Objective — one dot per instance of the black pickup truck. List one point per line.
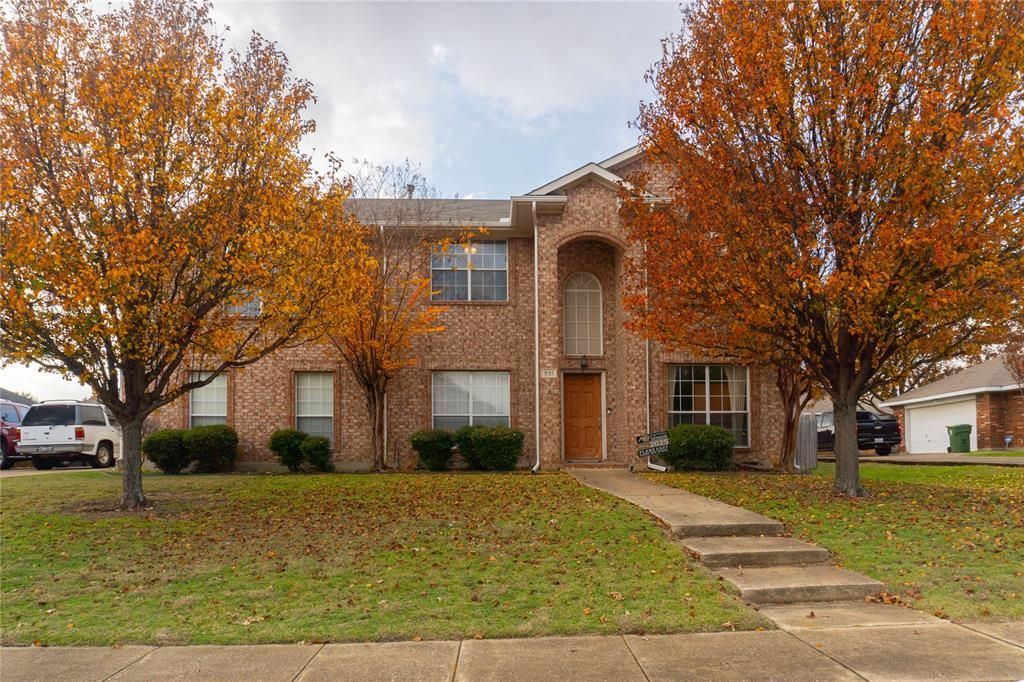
(878, 432)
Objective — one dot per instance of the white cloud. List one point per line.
(376, 67)
(41, 385)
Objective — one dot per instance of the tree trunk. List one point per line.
(846, 451)
(787, 457)
(375, 405)
(790, 392)
(131, 473)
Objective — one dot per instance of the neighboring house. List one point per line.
(533, 339)
(983, 395)
(825, 405)
(15, 397)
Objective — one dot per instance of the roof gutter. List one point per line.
(536, 338)
(897, 402)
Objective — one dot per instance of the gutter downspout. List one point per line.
(647, 384)
(536, 339)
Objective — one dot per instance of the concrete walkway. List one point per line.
(941, 459)
(796, 587)
(816, 649)
(743, 547)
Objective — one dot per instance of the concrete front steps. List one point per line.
(792, 584)
(744, 548)
(729, 552)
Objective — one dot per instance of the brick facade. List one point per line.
(999, 415)
(996, 416)
(585, 235)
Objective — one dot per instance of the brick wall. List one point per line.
(586, 236)
(898, 411)
(999, 415)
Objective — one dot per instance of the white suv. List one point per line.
(58, 431)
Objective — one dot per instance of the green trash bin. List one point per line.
(959, 438)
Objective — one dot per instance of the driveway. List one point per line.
(940, 458)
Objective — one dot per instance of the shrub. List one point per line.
(434, 446)
(464, 441)
(286, 444)
(317, 451)
(699, 447)
(214, 448)
(498, 448)
(165, 449)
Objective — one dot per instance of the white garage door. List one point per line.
(926, 425)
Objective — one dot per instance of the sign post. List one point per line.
(651, 444)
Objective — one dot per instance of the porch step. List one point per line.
(791, 584)
(721, 552)
(693, 528)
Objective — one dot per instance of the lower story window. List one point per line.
(470, 399)
(208, 404)
(711, 394)
(314, 404)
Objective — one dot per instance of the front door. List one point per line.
(582, 415)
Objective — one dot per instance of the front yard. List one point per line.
(946, 539)
(287, 558)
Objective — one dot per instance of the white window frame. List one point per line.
(454, 250)
(565, 318)
(328, 415)
(707, 411)
(471, 374)
(251, 306)
(199, 375)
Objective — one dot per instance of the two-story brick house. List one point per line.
(534, 338)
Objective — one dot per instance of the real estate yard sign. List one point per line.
(651, 444)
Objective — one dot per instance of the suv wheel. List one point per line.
(5, 461)
(103, 458)
(42, 464)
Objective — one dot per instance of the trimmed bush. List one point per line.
(214, 448)
(699, 447)
(498, 448)
(464, 441)
(165, 448)
(286, 444)
(317, 451)
(434, 446)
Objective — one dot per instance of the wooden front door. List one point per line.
(582, 415)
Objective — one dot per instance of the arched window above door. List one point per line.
(582, 315)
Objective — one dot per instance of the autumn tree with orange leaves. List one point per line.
(847, 188)
(150, 185)
(398, 209)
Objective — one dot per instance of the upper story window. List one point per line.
(711, 394)
(477, 271)
(249, 306)
(582, 314)
(208, 404)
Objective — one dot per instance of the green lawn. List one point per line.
(998, 453)
(947, 540)
(287, 558)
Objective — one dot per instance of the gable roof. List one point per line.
(590, 170)
(622, 158)
(986, 377)
(512, 213)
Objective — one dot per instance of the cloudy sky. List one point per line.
(489, 99)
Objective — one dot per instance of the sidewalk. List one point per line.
(824, 639)
(806, 651)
